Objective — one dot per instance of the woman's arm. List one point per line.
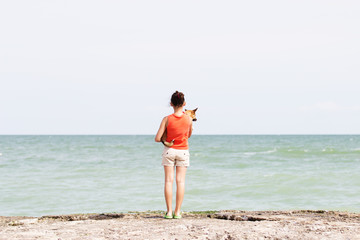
(191, 127)
(161, 130)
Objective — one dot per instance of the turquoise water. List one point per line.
(41, 175)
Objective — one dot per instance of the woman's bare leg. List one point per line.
(169, 179)
(180, 188)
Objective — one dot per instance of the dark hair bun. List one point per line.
(177, 99)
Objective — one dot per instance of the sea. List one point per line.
(59, 174)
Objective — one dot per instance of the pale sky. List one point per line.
(110, 67)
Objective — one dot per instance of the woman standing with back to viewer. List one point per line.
(179, 128)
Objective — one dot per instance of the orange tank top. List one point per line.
(178, 129)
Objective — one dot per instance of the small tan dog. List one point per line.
(192, 114)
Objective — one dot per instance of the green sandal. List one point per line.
(177, 216)
(167, 216)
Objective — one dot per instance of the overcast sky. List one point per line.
(110, 67)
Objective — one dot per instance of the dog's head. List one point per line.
(191, 113)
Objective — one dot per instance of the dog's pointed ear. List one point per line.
(195, 109)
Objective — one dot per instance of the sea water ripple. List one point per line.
(42, 175)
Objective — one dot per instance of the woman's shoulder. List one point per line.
(165, 119)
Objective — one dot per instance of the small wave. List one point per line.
(355, 149)
(0, 154)
(270, 151)
(268, 175)
(328, 150)
(249, 153)
(296, 150)
(264, 152)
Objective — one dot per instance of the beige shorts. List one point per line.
(175, 157)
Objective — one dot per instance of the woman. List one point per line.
(178, 127)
